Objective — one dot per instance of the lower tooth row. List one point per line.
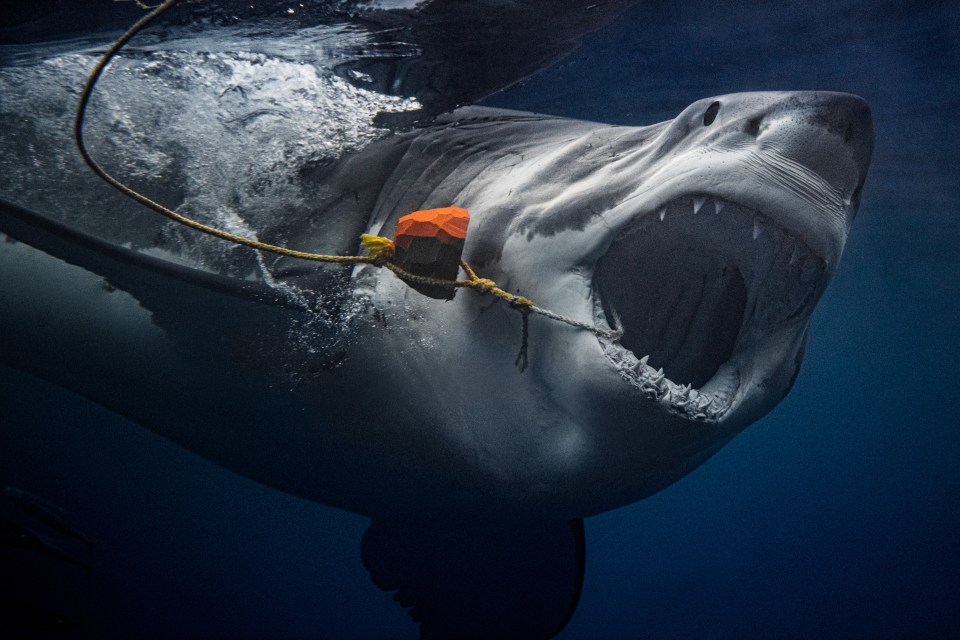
(692, 403)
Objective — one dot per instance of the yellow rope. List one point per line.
(380, 249)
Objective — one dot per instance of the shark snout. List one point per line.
(829, 133)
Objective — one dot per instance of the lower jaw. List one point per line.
(706, 404)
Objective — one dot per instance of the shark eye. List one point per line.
(710, 114)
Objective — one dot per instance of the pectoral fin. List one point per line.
(480, 577)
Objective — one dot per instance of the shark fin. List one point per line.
(479, 577)
(192, 355)
(126, 269)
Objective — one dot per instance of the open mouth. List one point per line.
(696, 287)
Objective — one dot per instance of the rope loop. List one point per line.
(380, 250)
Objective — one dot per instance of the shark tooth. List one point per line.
(644, 359)
(663, 214)
(717, 205)
(756, 228)
(697, 204)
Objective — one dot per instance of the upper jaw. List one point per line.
(711, 295)
(785, 192)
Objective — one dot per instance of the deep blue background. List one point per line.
(837, 516)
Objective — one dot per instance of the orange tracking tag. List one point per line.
(429, 243)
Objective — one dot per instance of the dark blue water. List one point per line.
(834, 517)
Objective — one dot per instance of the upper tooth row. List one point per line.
(718, 205)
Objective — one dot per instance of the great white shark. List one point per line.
(708, 239)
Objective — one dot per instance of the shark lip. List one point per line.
(697, 288)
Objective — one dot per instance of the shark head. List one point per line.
(706, 241)
(715, 263)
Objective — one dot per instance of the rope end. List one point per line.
(380, 249)
(522, 360)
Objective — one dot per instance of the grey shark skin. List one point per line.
(710, 237)
(755, 210)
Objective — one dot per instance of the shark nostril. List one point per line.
(753, 126)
